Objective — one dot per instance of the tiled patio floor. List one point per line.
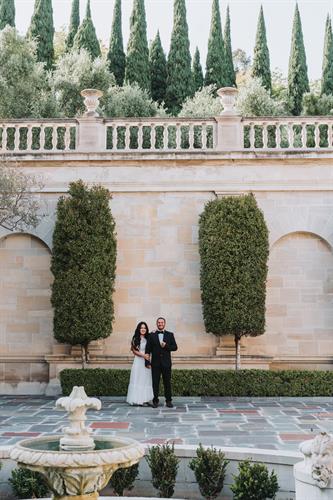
(263, 423)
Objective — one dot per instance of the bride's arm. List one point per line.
(136, 352)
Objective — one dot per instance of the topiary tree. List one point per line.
(73, 25)
(137, 58)
(116, 55)
(327, 76)
(197, 74)
(164, 465)
(253, 482)
(233, 247)
(7, 13)
(298, 81)
(179, 81)
(230, 76)
(86, 37)
(215, 62)
(158, 70)
(83, 264)
(123, 479)
(42, 30)
(261, 65)
(209, 467)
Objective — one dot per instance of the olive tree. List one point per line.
(233, 246)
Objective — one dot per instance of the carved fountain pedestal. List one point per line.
(314, 475)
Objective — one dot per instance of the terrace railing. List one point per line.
(228, 132)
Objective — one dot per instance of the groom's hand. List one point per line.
(163, 344)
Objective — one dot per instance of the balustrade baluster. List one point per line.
(54, 137)
(317, 135)
(165, 136)
(204, 136)
(290, 135)
(265, 135)
(178, 136)
(114, 137)
(252, 136)
(277, 135)
(127, 136)
(329, 134)
(67, 138)
(303, 135)
(153, 136)
(4, 138)
(191, 136)
(140, 136)
(42, 138)
(16, 138)
(29, 137)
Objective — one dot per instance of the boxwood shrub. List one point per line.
(200, 382)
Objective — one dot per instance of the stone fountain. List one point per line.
(77, 466)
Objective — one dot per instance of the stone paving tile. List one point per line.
(267, 423)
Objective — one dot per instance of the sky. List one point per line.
(244, 15)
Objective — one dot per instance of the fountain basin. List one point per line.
(80, 474)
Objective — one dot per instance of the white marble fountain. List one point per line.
(77, 466)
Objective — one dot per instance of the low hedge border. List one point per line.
(243, 383)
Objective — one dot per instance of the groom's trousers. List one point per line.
(157, 371)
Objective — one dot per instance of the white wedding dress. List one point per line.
(140, 389)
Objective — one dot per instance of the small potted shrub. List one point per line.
(209, 469)
(163, 464)
(123, 479)
(253, 482)
(28, 484)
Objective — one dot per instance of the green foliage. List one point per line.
(28, 484)
(23, 81)
(129, 101)
(42, 30)
(197, 74)
(179, 81)
(261, 65)
(74, 72)
(204, 104)
(137, 59)
(209, 468)
(7, 13)
(86, 37)
(255, 100)
(253, 482)
(316, 105)
(123, 479)
(163, 464)
(233, 247)
(298, 82)
(158, 70)
(230, 76)
(73, 25)
(215, 62)
(116, 55)
(327, 76)
(229, 383)
(83, 264)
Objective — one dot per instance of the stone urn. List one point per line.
(91, 101)
(228, 99)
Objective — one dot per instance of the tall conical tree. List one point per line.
(137, 59)
(73, 25)
(116, 55)
(86, 37)
(215, 62)
(7, 13)
(158, 69)
(42, 29)
(230, 76)
(298, 81)
(179, 82)
(327, 76)
(261, 66)
(197, 73)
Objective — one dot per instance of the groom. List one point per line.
(159, 345)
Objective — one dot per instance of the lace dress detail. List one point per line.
(140, 389)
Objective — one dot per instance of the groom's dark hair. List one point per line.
(161, 317)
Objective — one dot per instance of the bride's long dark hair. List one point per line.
(137, 336)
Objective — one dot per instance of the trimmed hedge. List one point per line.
(251, 383)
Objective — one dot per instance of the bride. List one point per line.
(140, 390)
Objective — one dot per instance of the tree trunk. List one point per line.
(85, 355)
(238, 357)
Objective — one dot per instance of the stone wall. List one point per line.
(156, 204)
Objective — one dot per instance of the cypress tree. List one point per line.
(137, 59)
(86, 37)
(215, 62)
(83, 264)
(179, 81)
(42, 29)
(261, 66)
(116, 55)
(298, 82)
(230, 76)
(233, 248)
(197, 73)
(7, 13)
(73, 25)
(327, 76)
(158, 70)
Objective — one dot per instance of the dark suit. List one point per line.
(161, 362)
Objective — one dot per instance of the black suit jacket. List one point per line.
(160, 356)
